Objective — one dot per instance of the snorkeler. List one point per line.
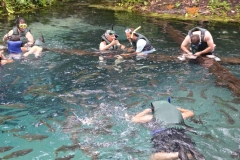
(170, 142)
(109, 41)
(141, 45)
(19, 39)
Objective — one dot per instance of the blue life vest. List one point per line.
(14, 47)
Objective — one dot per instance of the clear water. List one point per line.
(75, 99)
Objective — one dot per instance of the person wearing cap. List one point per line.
(141, 45)
(109, 41)
(19, 38)
(199, 42)
(170, 142)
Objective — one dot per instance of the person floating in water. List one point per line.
(37, 48)
(19, 39)
(201, 44)
(141, 45)
(170, 142)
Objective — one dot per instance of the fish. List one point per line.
(229, 118)
(236, 100)
(5, 118)
(15, 81)
(190, 94)
(203, 94)
(14, 106)
(51, 129)
(184, 99)
(86, 77)
(236, 154)
(12, 130)
(69, 157)
(65, 148)
(227, 105)
(18, 153)
(31, 137)
(5, 149)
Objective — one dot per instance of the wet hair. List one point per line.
(195, 39)
(20, 20)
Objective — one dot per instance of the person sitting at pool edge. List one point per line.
(19, 39)
(109, 41)
(200, 41)
(169, 141)
(141, 45)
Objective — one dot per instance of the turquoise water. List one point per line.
(73, 99)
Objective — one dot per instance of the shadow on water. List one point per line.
(64, 104)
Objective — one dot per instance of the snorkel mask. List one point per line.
(111, 32)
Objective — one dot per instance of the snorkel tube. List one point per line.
(135, 31)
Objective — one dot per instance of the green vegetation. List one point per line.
(131, 3)
(178, 4)
(16, 6)
(219, 7)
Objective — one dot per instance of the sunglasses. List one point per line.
(23, 25)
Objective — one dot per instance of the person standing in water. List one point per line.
(141, 45)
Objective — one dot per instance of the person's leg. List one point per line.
(38, 52)
(31, 51)
(167, 156)
(164, 156)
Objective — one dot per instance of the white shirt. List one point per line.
(140, 45)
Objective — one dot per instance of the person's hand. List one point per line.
(114, 42)
(197, 54)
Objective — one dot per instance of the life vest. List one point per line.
(147, 47)
(202, 45)
(104, 38)
(166, 113)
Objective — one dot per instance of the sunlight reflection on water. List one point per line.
(76, 100)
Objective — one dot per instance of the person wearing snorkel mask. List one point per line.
(200, 41)
(169, 140)
(19, 39)
(141, 45)
(110, 42)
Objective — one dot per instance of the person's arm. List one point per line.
(142, 117)
(30, 39)
(186, 113)
(103, 46)
(185, 43)
(5, 37)
(207, 38)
